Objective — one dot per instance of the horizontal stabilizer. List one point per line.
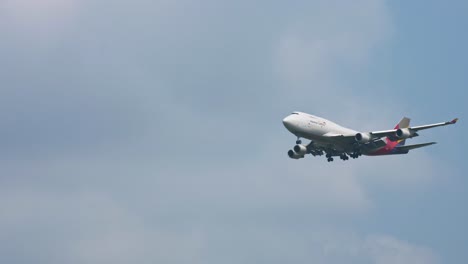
(410, 147)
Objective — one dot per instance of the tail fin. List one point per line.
(404, 123)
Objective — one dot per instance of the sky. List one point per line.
(150, 131)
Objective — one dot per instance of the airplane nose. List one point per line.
(287, 122)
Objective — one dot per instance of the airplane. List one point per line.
(334, 140)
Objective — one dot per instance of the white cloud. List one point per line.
(374, 248)
(333, 36)
(102, 228)
(386, 250)
(36, 21)
(200, 172)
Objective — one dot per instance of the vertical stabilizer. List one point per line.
(404, 123)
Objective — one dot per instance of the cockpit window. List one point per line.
(294, 113)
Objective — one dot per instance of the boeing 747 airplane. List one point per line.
(334, 140)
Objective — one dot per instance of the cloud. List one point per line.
(385, 249)
(374, 248)
(101, 228)
(317, 43)
(38, 22)
(151, 131)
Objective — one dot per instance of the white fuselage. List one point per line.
(315, 128)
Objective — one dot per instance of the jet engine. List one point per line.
(363, 137)
(403, 133)
(300, 149)
(294, 155)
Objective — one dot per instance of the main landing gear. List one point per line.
(355, 155)
(344, 156)
(298, 141)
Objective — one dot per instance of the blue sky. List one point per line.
(150, 131)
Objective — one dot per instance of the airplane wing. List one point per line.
(375, 137)
(343, 138)
(407, 132)
(417, 128)
(349, 139)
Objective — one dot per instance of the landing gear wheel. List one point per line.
(330, 159)
(298, 142)
(344, 156)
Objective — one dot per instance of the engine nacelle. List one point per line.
(300, 149)
(294, 155)
(363, 137)
(403, 133)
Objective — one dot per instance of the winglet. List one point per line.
(454, 121)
